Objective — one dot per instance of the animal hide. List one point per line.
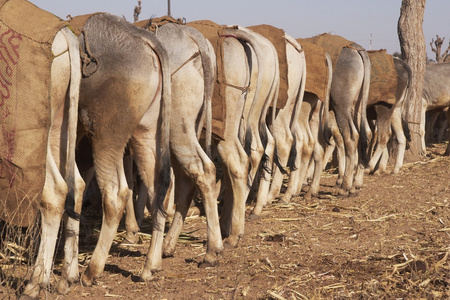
(333, 44)
(214, 33)
(383, 77)
(26, 36)
(316, 69)
(278, 38)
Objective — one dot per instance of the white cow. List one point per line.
(285, 138)
(192, 67)
(348, 98)
(125, 98)
(238, 49)
(62, 178)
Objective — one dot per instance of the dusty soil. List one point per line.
(391, 241)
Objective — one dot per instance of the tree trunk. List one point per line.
(412, 43)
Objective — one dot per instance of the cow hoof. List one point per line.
(253, 217)
(168, 254)
(284, 200)
(353, 192)
(309, 196)
(208, 264)
(63, 287)
(149, 275)
(128, 242)
(86, 281)
(146, 278)
(342, 193)
(230, 243)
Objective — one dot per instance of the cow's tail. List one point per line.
(207, 56)
(298, 105)
(407, 96)
(363, 138)
(326, 105)
(250, 39)
(163, 178)
(74, 94)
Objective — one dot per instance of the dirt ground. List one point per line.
(392, 241)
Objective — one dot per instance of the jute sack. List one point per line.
(215, 34)
(316, 69)
(383, 77)
(26, 36)
(278, 38)
(333, 44)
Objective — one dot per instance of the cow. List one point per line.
(317, 113)
(125, 99)
(435, 95)
(388, 108)
(239, 60)
(348, 100)
(192, 67)
(44, 47)
(66, 76)
(251, 126)
(285, 138)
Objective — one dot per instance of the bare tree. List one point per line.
(137, 11)
(412, 43)
(438, 47)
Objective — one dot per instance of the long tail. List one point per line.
(163, 179)
(326, 105)
(247, 37)
(407, 96)
(298, 104)
(363, 138)
(74, 94)
(209, 66)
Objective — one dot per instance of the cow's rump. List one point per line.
(316, 69)
(383, 77)
(333, 44)
(215, 34)
(278, 38)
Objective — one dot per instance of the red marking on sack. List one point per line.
(9, 57)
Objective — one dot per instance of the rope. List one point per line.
(55, 56)
(186, 62)
(87, 58)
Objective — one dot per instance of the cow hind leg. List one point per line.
(113, 184)
(235, 168)
(184, 192)
(350, 137)
(264, 179)
(70, 272)
(195, 171)
(383, 134)
(52, 207)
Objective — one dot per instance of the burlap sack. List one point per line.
(26, 36)
(77, 23)
(333, 44)
(383, 78)
(214, 33)
(278, 38)
(316, 69)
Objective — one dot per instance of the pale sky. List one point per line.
(356, 20)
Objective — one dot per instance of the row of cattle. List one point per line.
(183, 93)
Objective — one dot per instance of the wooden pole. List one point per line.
(168, 8)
